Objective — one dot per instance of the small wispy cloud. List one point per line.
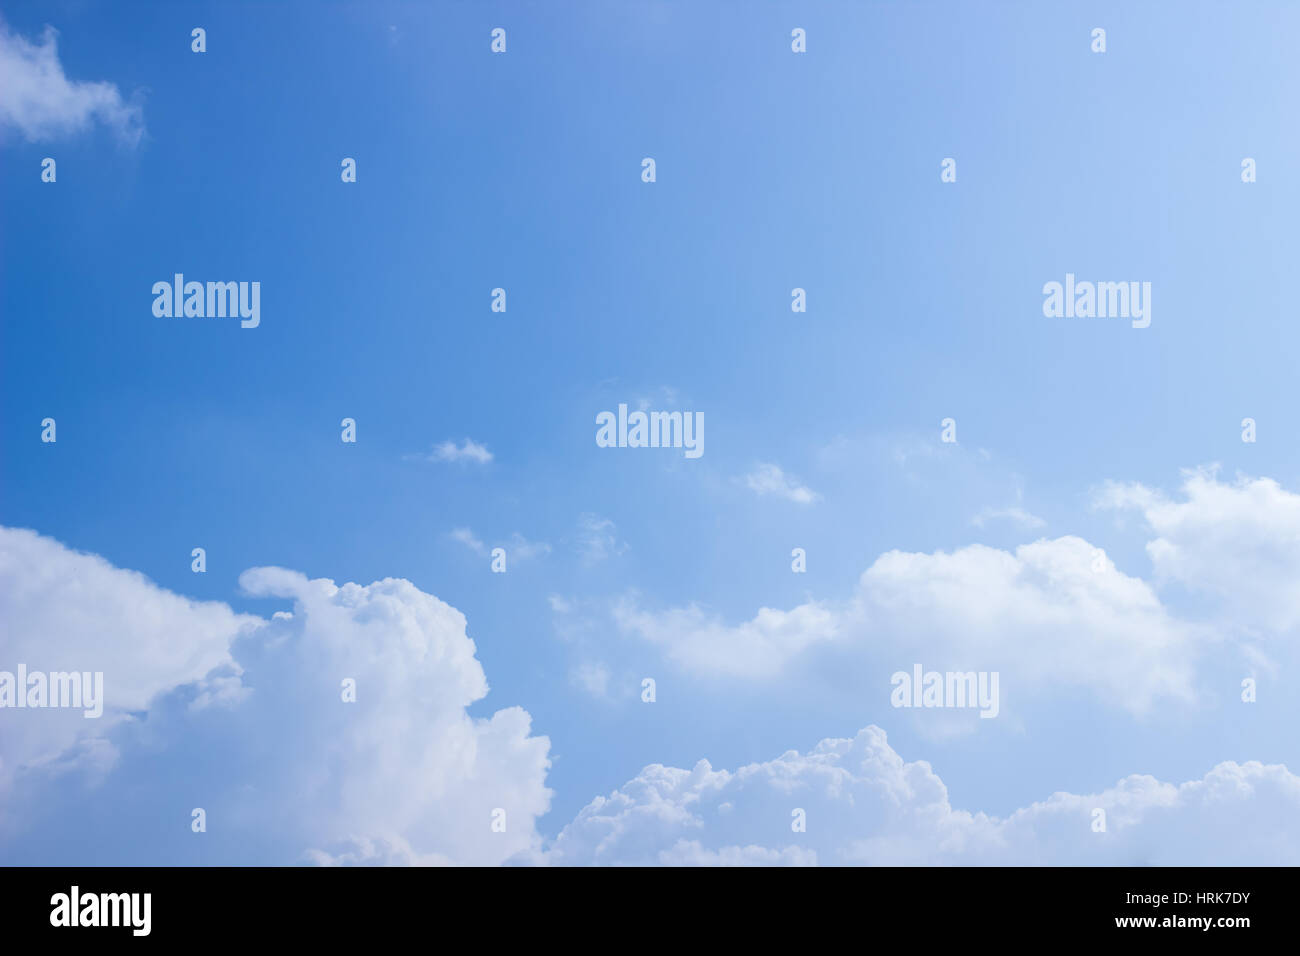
(768, 479)
(1017, 515)
(38, 99)
(467, 537)
(468, 450)
(518, 548)
(597, 540)
(664, 396)
(591, 676)
(1119, 496)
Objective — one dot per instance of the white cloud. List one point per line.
(1047, 614)
(469, 539)
(39, 100)
(593, 677)
(68, 611)
(865, 805)
(375, 851)
(768, 479)
(1014, 514)
(468, 450)
(1050, 613)
(518, 548)
(702, 642)
(597, 540)
(1239, 542)
(691, 853)
(406, 765)
(404, 773)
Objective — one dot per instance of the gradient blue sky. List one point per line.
(774, 171)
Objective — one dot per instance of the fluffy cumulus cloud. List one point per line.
(403, 774)
(1050, 613)
(862, 803)
(407, 774)
(405, 767)
(65, 611)
(1238, 542)
(39, 101)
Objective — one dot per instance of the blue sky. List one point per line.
(775, 170)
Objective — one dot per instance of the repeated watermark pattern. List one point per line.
(838, 529)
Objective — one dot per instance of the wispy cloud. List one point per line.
(597, 540)
(518, 547)
(38, 99)
(768, 479)
(468, 450)
(1013, 514)
(467, 537)
(591, 676)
